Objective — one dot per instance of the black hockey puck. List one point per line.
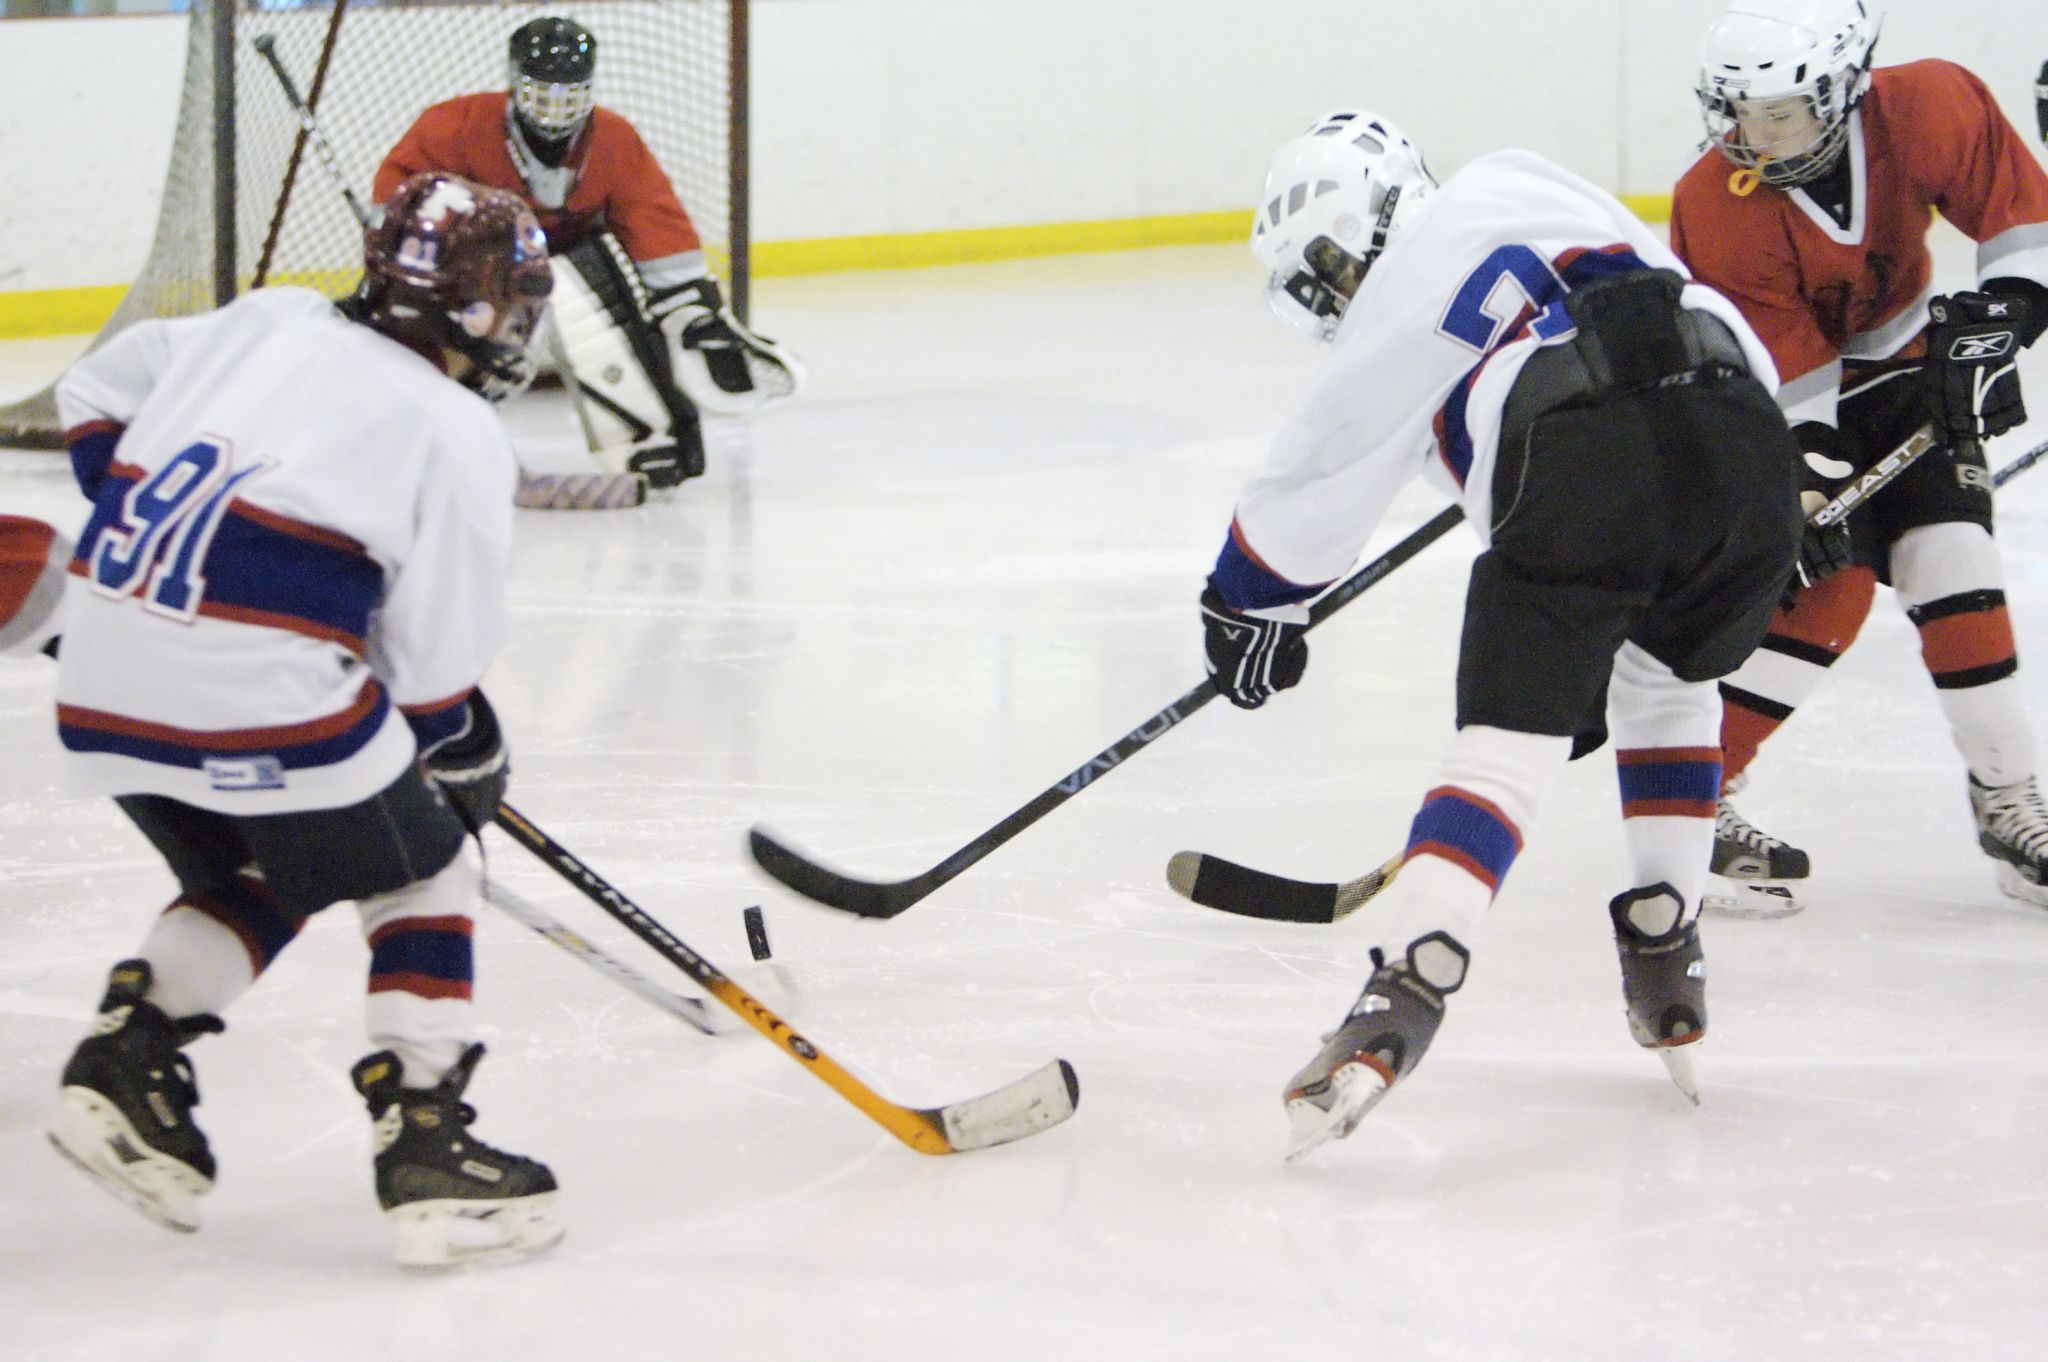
(757, 933)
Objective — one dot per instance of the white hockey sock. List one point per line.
(197, 963)
(421, 972)
(1667, 753)
(1467, 834)
(1951, 581)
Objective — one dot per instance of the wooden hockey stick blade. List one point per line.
(885, 898)
(1216, 883)
(1037, 1102)
(580, 491)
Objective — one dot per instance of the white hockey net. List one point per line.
(666, 65)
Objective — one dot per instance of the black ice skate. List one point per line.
(456, 1201)
(125, 1113)
(1663, 978)
(1380, 1041)
(2012, 828)
(1760, 869)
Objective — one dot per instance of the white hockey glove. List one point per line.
(719, 364)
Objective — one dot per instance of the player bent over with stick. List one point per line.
(1519, 338)
(292, 580)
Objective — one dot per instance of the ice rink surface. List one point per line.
(966, 560)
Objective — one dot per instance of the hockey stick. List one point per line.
(1231, 888)
(1036, 1102)
(555, 492)
(2020, 465)
(291, 168)
(870, 898)
(692, 1011)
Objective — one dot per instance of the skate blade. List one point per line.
(1679, 1063)
(451, 1236)
(92, 1133)
(1754, 899)
(1355, 1089)
(2019, 888)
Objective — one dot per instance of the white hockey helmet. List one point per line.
(1334, 198)
(1778, 79)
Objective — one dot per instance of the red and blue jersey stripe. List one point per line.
(316, 742)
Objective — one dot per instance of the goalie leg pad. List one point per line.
(639, 421)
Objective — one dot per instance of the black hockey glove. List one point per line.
(1253, 656)
(472, 768)
(1970, 387)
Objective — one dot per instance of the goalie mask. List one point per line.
(553, 62)
(456, 265)
(1335, 196)
(1778, 81)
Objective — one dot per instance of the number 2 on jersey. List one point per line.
(1475, 319)
(166, 524)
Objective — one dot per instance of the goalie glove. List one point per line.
(719, 364)
(1970, 387)
(1255, 654)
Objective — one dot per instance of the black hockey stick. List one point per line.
(1035, 1102)
(1232, 888)
(871, 898)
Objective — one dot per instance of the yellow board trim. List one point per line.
(66, 312)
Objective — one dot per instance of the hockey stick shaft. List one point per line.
(291, 168)
(266, 44)
(2020, 465)
(871, 899)
(935, 1131)
(1216, 883)
(690, 1010)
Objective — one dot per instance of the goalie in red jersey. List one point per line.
(1810, 210)
(645, 329)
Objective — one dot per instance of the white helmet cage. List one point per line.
(1773, 61)
(1335, 196)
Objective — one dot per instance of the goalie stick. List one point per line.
(537, 491)
(1231, 888)
(1036, 1102)
(871, 898)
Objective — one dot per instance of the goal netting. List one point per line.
(243, 191)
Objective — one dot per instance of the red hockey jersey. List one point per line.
(620, 186)
(33, 557)
(1927, 137)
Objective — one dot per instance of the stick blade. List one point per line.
(819, 884)
(1216, 883)
(1034, 1103)
(580, 491)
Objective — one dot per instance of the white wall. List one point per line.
(883, 116)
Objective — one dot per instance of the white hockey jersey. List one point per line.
(1424, 359)
(300, 540)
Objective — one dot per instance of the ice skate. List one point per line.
(1663, 978)
(456, 1201)
(1379, 1042)
(124, 1116)
(1761, 871)
(2012, 828)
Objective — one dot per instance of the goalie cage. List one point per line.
(243, 194)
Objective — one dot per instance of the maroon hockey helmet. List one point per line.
(456, 264)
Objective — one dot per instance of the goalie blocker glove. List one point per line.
(719, 364)
(1254, 655)
(1971, 385)
(472, 768)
